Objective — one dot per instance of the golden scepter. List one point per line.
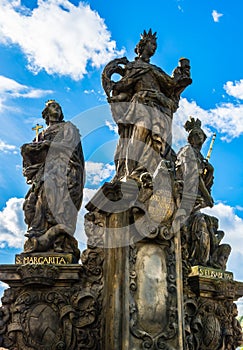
(210, 151)
(211, 147)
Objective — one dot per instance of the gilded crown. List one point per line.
(48, 102)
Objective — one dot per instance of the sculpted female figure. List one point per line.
(143, 102)
(54, 167)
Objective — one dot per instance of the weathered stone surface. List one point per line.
(53, 165)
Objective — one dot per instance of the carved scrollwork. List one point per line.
(92, 260)
(211, 324)
(48, 320)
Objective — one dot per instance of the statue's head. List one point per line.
(196, 135)
(52, 112)
(147, 42)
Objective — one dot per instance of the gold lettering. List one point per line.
(45, 260)
(18, 260)
(228, 276)
(40, 260)
(62, 261)
(26, 260)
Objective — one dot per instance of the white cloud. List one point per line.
(234, 89)
(112, 126)
(98, 172)
(14, 89)
(12, 226)
(6, 148)
(3, 285)
(100, 95)
(231, 223)
(216, 15)
(79, 234)
(58, 36)
(10, 88)
(88, 92)
(227, 118)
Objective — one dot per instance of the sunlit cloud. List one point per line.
(234, 89)
(58, 36)
(96, 173)
(10, 88)
(100, 95)
(232, 225)
(216, 15)
(227, 118)
(112, 126)
(80, 233)
(89, 92)
(6, 148)
(12, 226)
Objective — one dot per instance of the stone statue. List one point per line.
(53, 165)
(195, 176)
(195, 172)
(202, 246)
(200, 241)
(219, 253)
(143, 102)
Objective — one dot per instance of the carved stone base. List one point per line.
(48, 307)
(210, 312)
(214, 283)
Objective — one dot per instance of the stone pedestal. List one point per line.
(134, 289)
(48, 306)
(141, 284)
(210, 311)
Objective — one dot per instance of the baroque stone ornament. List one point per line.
(154, 273)
(51, 307)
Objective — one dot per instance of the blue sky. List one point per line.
(58, 48)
